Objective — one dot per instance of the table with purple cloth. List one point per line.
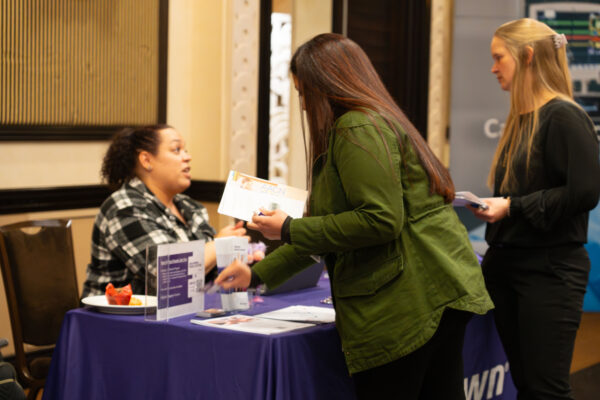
(104, 356)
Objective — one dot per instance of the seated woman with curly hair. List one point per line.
(150, 168)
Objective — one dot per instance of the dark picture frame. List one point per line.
(39, 132)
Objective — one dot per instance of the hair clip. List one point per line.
(560, 40)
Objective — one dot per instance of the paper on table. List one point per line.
(246, 323)
(319, 315)
(461, 199)
(245, 194)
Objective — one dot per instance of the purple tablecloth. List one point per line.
(104, 356)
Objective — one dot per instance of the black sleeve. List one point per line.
(254, 279)
(285, 230)
(211, 275)
(571, 151)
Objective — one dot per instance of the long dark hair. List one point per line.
(120, 160)
(334, 74)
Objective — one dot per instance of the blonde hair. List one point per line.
(549, 73)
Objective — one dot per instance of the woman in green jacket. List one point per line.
(404, 278)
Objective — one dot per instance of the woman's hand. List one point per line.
(269, 224)
(497, 209)
(236, 276)
(210, 252)
(232, 230)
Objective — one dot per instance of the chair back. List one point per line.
(38, 269)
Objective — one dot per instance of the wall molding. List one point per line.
(243, 77)
(16, 201)
(28, 133)
(279, 104)
(439, 79)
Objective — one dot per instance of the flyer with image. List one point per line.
(245, 195)
(246, 323)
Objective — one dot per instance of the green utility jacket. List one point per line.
(396, 255)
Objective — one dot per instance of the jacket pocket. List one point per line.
(354, 278)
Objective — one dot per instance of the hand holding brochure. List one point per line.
(461, 199)
(244, 195)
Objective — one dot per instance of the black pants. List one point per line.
(432, 372)
(538, 294)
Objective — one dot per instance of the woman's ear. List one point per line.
(144, 158)
(529, 51)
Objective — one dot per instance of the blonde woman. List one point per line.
(546, 177)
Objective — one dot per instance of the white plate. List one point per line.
(101, 304)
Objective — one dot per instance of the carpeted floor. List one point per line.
(587, 343)
(586, 383)
(585, 369)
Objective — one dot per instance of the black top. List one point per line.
(551, 202)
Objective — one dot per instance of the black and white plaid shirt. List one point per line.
(130, 220)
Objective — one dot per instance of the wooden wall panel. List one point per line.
(79, 63)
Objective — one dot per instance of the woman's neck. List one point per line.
(168, 202)
(544, 98)
(165, 198)
(539, 100)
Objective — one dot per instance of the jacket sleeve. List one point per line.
(571, 151)
(368, 164)
(281, 265)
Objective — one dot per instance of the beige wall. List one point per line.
(49, 164)
(282, 6)
(195, 81)
(309, 18)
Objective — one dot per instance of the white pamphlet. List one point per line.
(245, 195)
(229, 249)
(247, 323)
(234, 301)
(461, 199)
(312, 314)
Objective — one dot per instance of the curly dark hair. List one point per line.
(120, 160)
